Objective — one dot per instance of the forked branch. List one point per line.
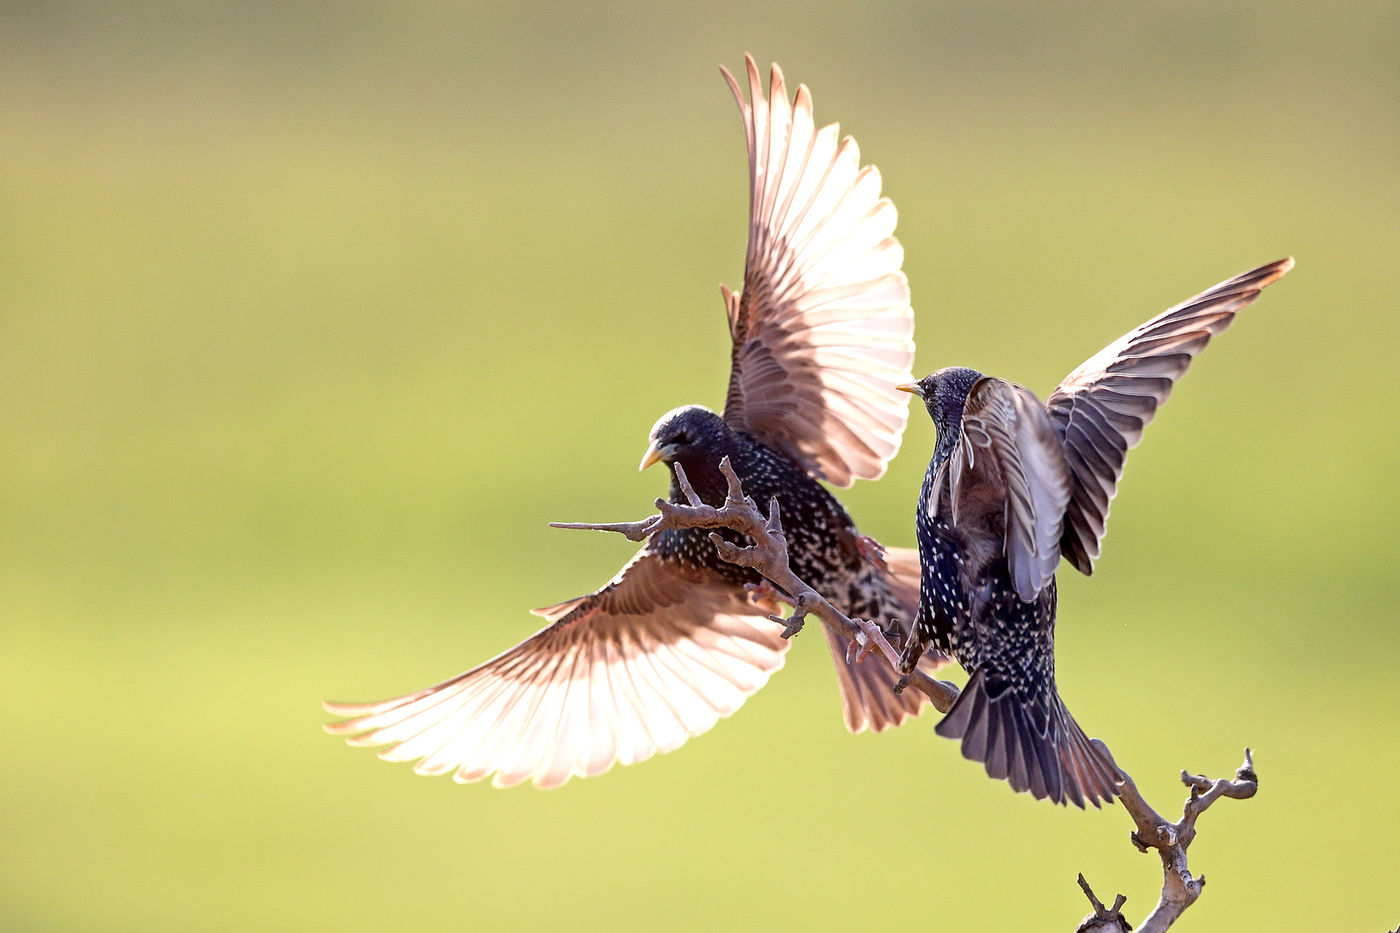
(1171, 840)
(768, 555)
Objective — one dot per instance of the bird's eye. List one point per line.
(682, 438)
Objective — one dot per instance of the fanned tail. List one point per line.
(868, 700)
(1033, 743)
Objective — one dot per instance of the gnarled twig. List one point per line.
(768, 555)
(1103, 918)
(1179, 888)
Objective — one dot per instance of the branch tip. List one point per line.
(687, 490)
(1245, 772)
(633, 531)
(1103, 918)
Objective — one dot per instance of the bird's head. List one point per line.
(692, 436)
(944, 393)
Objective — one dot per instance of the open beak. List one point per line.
(913, 388)
(652, 455)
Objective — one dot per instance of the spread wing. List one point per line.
(822, 327)
(656, 656)
(1008, 452)
(1101, 408)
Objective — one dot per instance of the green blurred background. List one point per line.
(313, 315)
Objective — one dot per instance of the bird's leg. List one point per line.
(914, 647)
(873, 551)
(765, 592)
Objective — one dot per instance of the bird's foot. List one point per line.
(868, 639)
(765, 592)
(872, 551)
(909, 656)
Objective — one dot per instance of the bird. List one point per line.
(1013, 487)
(822, 333)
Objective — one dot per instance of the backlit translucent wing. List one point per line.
(822, 327)
(1101, 408)
(655, 657)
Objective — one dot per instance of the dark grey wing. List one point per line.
(1008, 458)
(655, 657)
(1101, 408)
(822, 328)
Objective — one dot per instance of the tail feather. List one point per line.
(868, 699)
(1037, 748)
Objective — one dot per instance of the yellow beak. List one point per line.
(652, 455)
(912, 388)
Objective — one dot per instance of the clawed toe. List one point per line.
(857, 648)
(872, 551)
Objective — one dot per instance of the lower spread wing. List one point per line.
(1101, 408)
(655, 657)
(1008, 456)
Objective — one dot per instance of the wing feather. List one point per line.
(822, 328)
(1009, 456)
(1100, 410)
(658, 655)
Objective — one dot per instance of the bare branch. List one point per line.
(768, 555)
(1179, 889)
(634, 531)
(687, 490)
(1103, 918)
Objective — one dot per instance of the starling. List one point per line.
(822, 334)
(1013, 486)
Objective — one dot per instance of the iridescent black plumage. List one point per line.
(822, 539)
(1009, 715)
(1012, 486)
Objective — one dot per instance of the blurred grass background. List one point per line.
(312, 315)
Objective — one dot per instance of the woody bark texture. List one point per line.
(1179, 888)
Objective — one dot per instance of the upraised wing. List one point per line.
(1101, 408)
(654, 657)
(1009, 457)
(822, 328)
